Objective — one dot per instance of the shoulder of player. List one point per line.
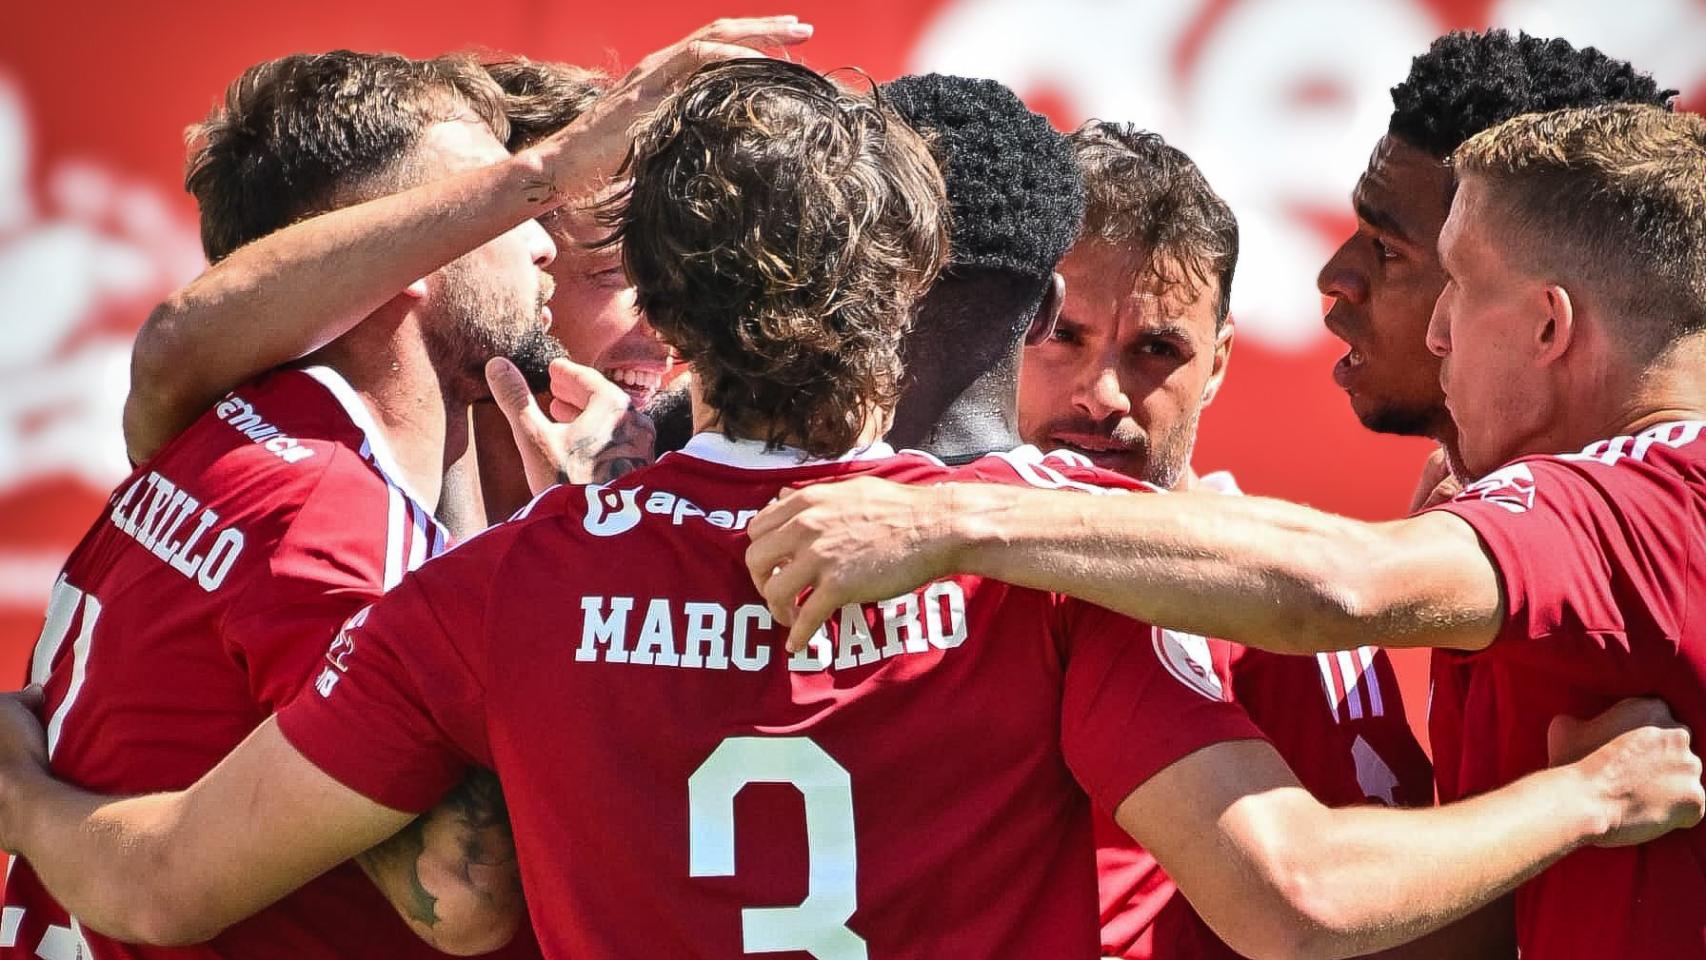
(1667, 455)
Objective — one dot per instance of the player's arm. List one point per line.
(1266, 573)
(1276, 874)
(293, 291)
(177, 868)
(452, 873)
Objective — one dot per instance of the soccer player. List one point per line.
(676, 784)
(188, 614)
(1570, 332)
(1141, 347)
(178, 623)
(1385, 278)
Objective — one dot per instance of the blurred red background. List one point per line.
(1278, 100)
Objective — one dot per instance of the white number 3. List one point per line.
(819, 924)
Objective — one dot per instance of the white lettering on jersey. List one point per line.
(713, 637)
(153, 511)
(1373, 775)
(610, 512)
(243, 418)
(1186, 657)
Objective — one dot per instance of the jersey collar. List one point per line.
(750, 454)
(373, 444)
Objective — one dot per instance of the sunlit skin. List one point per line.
(594, 312)
(1128, 368)
(1383, 281)
(1498, 337)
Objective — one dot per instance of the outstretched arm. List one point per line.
(1266, 573)
(1278, 875)
(177, 868)
(293, 291)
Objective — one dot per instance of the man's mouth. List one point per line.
(641, 383)
(1347, 367)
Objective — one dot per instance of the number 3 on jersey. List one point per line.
(819, 924)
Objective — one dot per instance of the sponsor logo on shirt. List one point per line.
(611, 512)
(1511, 488)
(1186, 657)
(241, 415)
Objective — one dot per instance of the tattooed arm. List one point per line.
(451, 874)
(593, 434)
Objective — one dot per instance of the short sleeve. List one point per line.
(396, 710)
(1582, 549)
(1137, 699)
(328, 564)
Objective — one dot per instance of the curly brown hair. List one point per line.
(542, 97)
(778, 231)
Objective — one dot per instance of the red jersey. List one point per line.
(916, 783)
(1599, 554)
(1338, 721)
(197, 605)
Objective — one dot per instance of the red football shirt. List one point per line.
(197, 605)
(1599, 554)
(917, 783)
(1337, 719)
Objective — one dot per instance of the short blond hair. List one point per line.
(1611, 198)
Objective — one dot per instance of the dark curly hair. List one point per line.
(1013, 184)
(542, 97)
(1467, 82)
(778, 231)
(1148, 196)
(294, 135)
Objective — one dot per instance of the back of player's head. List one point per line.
(542, 97)
(1467, 82)
(1015, 195)
(1612, 198)
(309, 132)
(1147, 196)
(778, 230)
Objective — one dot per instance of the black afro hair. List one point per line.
(1013, 183)
(1469, 82)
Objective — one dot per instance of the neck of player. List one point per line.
(959, 418)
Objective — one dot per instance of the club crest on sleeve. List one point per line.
(1511, 487)
(1186, 657)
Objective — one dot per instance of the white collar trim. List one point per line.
(373, 440)
(713, 447)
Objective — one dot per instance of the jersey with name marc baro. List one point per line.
(1600, 557)
(201, 601)
(916, 784)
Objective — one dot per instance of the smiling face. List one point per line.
(1128, 369)
(1383, 282)
(595, 316)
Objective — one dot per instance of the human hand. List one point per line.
(23, 749)
(600, 137)
(593, 434)
(1638, 758)
(853, 541)
(1437, 484)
